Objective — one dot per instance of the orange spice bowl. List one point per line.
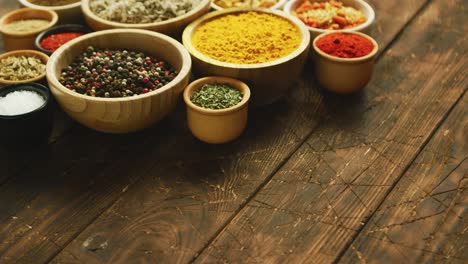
(217, 126)
(24, 40)
(28, 53)
(269, 81)
(344, 75)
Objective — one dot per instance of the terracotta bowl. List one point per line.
(172, 27)
(217, 126)
(360, 5)
(278, 5)
(127, 114)
(268, 81)
(353, 73)
(24, 40)
(43, 57)
(70, 13)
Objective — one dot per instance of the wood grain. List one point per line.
(318, 202)
(423, 219)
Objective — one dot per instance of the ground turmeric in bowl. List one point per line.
(246, 37)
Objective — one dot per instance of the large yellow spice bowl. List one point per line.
(268, 67)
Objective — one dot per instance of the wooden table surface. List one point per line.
(375, 177)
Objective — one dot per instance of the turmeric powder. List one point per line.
(247, 37)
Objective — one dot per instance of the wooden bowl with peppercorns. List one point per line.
(120, 80)
(149, 15)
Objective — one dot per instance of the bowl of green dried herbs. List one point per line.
(21, 66)
(217, 108)
(165, 16)
(120, 80)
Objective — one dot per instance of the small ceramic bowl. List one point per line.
(278, 5)
(217, 126)
(27, 128)
(344, 75)
(360, 5)
(56, 30)
(14, 40)
(70, 13)
(28, 53)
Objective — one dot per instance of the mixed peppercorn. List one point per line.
(116, 73)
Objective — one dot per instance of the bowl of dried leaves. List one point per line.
(22, 66)
(165, 16)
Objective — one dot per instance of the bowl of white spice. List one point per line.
(25, 114)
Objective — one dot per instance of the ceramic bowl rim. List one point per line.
(346, 60)
(278, 5)
(56, 30)
(55, 8)
(87, 12)
(42, 56)
(188, 32)
(52, 22)
(183, 72)
(370, 19)
(39, 88)
(235, 83)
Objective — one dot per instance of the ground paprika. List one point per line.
(345, 45)
(53, 42)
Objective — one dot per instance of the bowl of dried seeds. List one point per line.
(165, 16)
(21, 66)
(68, 11)
(119, 80)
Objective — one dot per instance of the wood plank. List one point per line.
(318, 202)
(423, 220)
(186, 202)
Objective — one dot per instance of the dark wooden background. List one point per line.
(375, 177)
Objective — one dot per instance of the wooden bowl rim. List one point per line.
(52, 22)
(276, 6)
(346, 60)
(42, 56)
(187, 38)
(291, 5)
(54, 8)
(87, 11)
(243, 87)
(183, 72)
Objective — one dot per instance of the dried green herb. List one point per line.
(216, 96)
(19, 68)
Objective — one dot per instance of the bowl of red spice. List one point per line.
(50, 40)
(330, 15)
(119, 80)
(344, 61)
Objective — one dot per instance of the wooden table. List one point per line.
(375, 177)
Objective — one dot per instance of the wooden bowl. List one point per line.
(360, 5)
(127, 114)
(172, 27)
(217, 126)
(70, 13)
(354, 73)
(24, 40)
(43, 57)
(278, 5)
(268, 81)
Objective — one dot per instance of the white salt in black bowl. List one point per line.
(25, 114)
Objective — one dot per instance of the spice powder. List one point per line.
(247, 38)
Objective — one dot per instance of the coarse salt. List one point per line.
(20, 102)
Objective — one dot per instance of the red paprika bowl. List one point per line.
(75, 28)
(344, 75)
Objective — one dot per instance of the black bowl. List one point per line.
(29, 128)
(59, 29)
